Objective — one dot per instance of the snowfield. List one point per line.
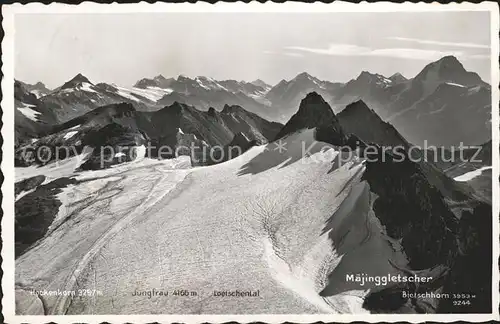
(27, 111)
(288, 227)
(85, 86)
(152, 93)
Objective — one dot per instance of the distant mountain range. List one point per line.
(121, 125)
(443, 105)
(38, 89)
(33, 118)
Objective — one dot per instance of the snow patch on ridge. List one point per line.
(28, 112)
(69, 135)
(85, 86)
(472, 174)
(140, 153)
(455, 84)
(152, 93)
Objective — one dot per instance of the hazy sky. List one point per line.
(123, 48)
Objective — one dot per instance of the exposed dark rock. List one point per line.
(107, 87)
(77, 80)
(471, 272)
(112, 144)
(412, 209)
(389, 300)
(34, 213)
(28, 184)
(449, 68)
(159, 81)
(397, 78)
(120, 125)
(313, 112)
(39, 89)
(212, 112)
(362, 121)
(239, 145)
(25, 128)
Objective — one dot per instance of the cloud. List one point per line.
(405, 53)
(413, 53)
(432, 42)
(333, 49)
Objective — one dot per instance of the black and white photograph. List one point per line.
(288, 160)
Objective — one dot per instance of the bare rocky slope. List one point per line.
(179, 129)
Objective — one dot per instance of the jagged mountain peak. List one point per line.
(158, 81)
(212, 112)
(448, 68)
(367, 76)
(40, 85)
(448, 62)
(202, 77)
(176, 108)
(260, 83)
(231, 108)
(362, 121)
(20, 86)
(357, 107)
(450, 59)
(304, 76)
(398, 77)
(182, 77)
(80, 78)
(177, 104)
(18, 83)
(76, 80)
(314, 99)
(314, 112)
(159, 77)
